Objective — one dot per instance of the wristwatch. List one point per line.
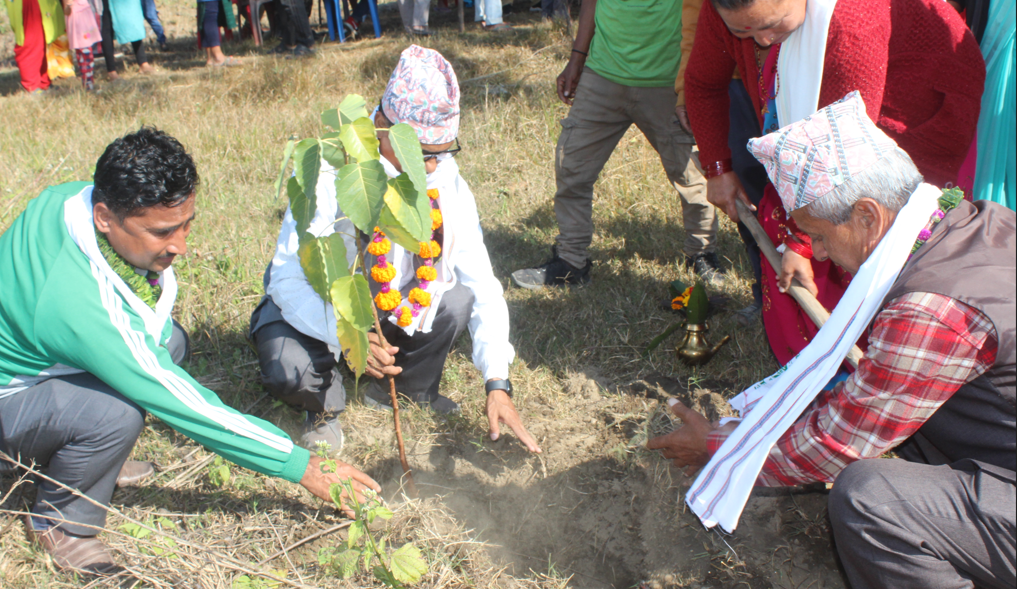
(499, 385)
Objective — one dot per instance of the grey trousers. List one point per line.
(904, 525)
(295, 368)
(414, 13)
(600, 115)
(80, 431)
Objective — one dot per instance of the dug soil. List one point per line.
(598, 507)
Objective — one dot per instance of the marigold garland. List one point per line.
(383, 274)
(420, 297)
(427, 273)
(389, 299)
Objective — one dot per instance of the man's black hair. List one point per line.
(141, 170)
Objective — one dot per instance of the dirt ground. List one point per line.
(597, 507)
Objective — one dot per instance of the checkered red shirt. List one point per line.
(922, 348)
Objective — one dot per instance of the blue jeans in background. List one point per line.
(152, 16)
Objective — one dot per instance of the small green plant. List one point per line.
(248, 582)
(362, 551)
(165, 544)
(219, 472)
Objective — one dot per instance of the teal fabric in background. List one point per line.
(996, 171)
(128, 20)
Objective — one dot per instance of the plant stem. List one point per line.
(411, 487)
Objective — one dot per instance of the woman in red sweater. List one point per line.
(915, 63)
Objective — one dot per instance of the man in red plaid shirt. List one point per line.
(936, 386)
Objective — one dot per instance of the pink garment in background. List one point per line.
(82, 30)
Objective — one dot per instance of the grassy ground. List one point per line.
(595, 510)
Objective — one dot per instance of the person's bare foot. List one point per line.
(112, 76)
(146, 68)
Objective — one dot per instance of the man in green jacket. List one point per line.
(87, 346)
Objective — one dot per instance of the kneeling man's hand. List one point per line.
(685, 446)
(501, 410)
(318, 482)
(381, 361)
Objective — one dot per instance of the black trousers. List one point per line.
(906, 525)
(108, 39)
(303, 371)
(80, 431)
(295, 24)
(744, 125)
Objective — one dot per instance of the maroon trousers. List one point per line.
(31, 56)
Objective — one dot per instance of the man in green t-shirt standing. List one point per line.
(621, 75)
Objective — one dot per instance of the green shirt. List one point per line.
(637, 42)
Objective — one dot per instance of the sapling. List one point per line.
(362, 551)
(398, 207)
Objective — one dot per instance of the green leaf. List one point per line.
(354, 345)
(301, 207)
(657, 340)
(287, 154)
(382, 574)
(324, 261)
(407, 150)
(332, 150)
(395, 231)
(357, 530)
(360, 140)
(335, 491)
(407, 564)
(383, 512)
(352, 108)
(346, 563)
(360, 188)
(306, 165)
(411, 208)
(699, 303)
(351, 297)
(330, 118)
(677, 287)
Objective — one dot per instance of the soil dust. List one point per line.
(598, 507)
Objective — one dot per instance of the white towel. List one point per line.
(772, 405)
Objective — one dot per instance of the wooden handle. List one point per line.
(812, 307)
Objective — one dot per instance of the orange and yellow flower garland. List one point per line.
(383, 272)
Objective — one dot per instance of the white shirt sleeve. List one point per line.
(301, 307)
(489, 320)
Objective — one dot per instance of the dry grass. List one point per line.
(592, 511)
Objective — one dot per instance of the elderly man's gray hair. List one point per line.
(889, 182)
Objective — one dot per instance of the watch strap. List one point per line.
(496, 385)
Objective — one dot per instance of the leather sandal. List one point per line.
(133, 472)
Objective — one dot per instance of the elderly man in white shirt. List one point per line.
(296, 335)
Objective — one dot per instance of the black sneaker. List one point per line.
(554, 272)
(707, 267)
(749, 315)
(281, 49)
(441, 405)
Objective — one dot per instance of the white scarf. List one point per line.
(800, 64)
(772, 405)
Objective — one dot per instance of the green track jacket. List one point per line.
(63, 310)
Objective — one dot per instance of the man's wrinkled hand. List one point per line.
(318, 482)
(381, 361)
(687, 445)
(723, 190)
(795, 266)
(500, 409)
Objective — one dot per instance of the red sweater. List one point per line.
(915, 63)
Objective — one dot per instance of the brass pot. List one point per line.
(694, 350)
